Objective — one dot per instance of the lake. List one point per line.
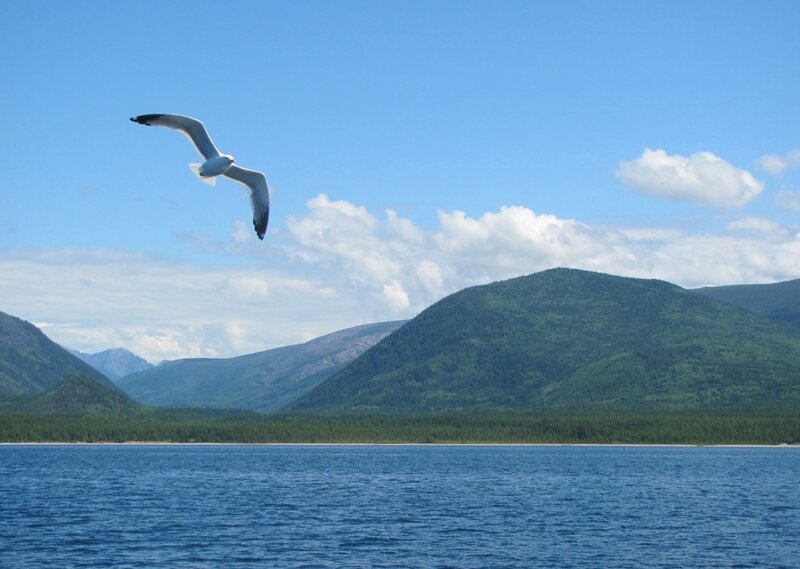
(398, 506)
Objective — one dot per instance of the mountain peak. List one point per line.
(115, 363)
(567, 337)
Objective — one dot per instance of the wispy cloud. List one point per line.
(85, 190)
(760, 227)
(775, 164)
(788, 199)
(701, 178)
(162, 309)
(241, 232)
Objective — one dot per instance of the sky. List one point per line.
(412, 148)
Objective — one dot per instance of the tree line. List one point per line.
(552, 427)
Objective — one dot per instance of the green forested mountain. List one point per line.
(264, 381)
(778, 301)
(569, 338)
(31, 363)
(76, 394)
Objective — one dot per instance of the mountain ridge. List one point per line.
(778, 301)
(263, 381)
(31, 363)
(76, 394)
(566, 337)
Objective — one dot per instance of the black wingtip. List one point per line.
(144, 119)
(261, 225)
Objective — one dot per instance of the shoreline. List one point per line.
(644, 445)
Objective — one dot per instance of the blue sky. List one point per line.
(413, 148)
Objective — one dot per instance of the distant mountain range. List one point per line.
(31, 363)
(777, 301)
(264, 381)
(575, 339)
(561, 338)
(115, 363)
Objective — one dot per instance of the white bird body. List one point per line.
(217, 164)
(211, 168)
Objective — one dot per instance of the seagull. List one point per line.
(217, 164)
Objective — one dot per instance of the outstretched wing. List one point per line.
(256, 184)
(192, 128)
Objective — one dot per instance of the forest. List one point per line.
(545, 427)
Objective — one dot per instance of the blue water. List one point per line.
(417, 506)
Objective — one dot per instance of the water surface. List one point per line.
(398, 506)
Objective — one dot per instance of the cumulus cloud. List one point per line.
(379, 262)
(339, 265)
(701, 178)
(775, 165)
(396, 295)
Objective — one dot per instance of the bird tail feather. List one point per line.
(210, 180)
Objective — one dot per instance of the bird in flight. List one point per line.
(217, 164)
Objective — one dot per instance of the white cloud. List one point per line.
(431, 277)
(760, 227)
(396, 295)
(162, 309)
(341, 231)
(345, 266)
(249, 287)
(701, 178)
(788, 199)
(465, 250)
(241, 232)
(775, 165)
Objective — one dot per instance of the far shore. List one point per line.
(453, 444)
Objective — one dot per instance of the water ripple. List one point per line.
(438, 507)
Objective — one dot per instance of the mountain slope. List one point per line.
(264, 381)
(76, 394)
(114, 363)
(569, 338)
(778, 301)
(31, 363)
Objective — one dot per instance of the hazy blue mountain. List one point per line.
(778, 301)
(264, 381)
(31, 363)
(115, 363)
(569, 338)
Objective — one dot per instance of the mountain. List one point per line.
(31, 363)
(76, 394)
(264, 381)
(778, 301)
(114, 363)
(569, 338)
